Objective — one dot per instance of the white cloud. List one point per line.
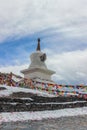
(19, 18)
(70, 67)
(15, 69)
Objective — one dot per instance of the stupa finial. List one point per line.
(38, 45)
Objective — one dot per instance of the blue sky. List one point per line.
(62, 27)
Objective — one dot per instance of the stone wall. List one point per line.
(39, 104)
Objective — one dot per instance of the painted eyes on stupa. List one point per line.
(43, 57)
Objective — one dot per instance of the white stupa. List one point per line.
(38, 70)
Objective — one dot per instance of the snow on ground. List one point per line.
(61, 102)
(25, 116)
(56, 103)
(9, 90)
(26, 99)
